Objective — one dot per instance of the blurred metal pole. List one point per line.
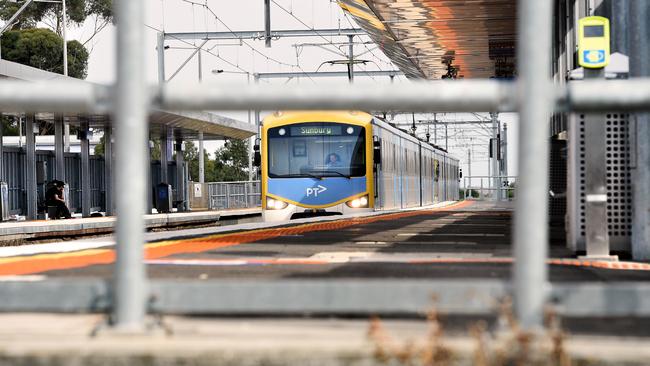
(131, 146)
(639, 67)
(530, 238)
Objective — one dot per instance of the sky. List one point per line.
(286, 55)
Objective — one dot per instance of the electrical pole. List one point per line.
(267, 23)
(351, 59)
(66, 128)
(446, 139)
(435, 129)
(495, 161)
(201, 153)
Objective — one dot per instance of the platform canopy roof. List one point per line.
(185, 125)
(434, 39)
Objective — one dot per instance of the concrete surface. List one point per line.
(46, 339)
(24, 230)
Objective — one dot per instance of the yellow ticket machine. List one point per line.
(593, 42)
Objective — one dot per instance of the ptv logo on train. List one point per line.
(315, 191)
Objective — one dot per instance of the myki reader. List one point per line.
(593, 42)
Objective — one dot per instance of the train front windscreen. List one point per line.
(316, 150)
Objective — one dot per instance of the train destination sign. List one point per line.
(316, 131)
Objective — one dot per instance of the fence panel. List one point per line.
(481, 188)
(230, 195)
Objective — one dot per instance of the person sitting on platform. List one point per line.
(54, 198)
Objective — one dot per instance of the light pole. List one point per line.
(251, 141)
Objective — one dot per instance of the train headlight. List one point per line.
(273, 204)
(361, 202)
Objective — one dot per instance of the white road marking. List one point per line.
(450, 234)
(61, 247)
(27, 278)
(340, 257)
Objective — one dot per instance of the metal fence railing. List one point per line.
(533, 95)
(481, 188)
(229, 195)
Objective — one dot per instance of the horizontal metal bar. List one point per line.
(328, 297)
(439, 96)
(260, 34)
(325, 297)
(606, 96)
(54, 96)
(57, 295)
(457, 96)
(325, 74)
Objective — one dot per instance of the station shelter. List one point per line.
(25, 171)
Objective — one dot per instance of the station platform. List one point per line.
(467, 241)
(53, 229)
(462, 240)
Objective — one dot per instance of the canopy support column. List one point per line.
(30, 166)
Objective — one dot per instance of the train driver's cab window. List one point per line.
(317, 150)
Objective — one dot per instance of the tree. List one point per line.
(191, 156)
(231, 161)
(9, 126)
(50, 14)
(43, 49)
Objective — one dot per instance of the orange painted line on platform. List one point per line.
(49, 262)
(633, 266)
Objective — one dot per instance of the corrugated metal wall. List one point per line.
(14, 160)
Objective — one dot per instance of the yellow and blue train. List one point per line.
(318, 163)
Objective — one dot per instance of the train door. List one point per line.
(444, 178)
(419, 176)
(436, 177)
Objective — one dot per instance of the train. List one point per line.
(325, 163)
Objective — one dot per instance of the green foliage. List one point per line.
(100, 148)
(231, 161)
(77, 12)
(9, 126)
(43, 49)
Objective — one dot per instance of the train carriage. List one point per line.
(318, 163)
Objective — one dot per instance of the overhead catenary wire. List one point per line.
(243, 42)
(308, 27)
(218, 19)
(206, 51)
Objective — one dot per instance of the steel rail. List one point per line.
(227, 35)
(324, 297)
(452, 96)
